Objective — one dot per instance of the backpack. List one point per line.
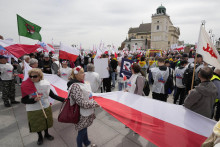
(169, 86)
(187, 76)
(146, 88)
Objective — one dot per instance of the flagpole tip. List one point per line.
(203, 22)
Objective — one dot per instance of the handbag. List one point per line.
(69, 114)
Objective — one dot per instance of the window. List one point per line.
(158, 27)
(158, 21)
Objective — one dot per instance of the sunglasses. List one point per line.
(35, 76)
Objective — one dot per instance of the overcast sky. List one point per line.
(90, 21)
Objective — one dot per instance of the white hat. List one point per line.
(46, 55)
(55, 57)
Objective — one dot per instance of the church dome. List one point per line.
(161, 10)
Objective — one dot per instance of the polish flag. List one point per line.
(207, 49)
(27, 87)
(68, 53)
(164, 124)
(18, 50)
(124, 77)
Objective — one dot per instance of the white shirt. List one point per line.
(6, 71)
(94, 79)
(179, 77)
(65, 73)
(160, 78)
(43, 88)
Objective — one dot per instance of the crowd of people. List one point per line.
(82, 81)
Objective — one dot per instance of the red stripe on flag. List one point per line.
(67, 56)
(60, 92)
(157, 131)
(19, 50)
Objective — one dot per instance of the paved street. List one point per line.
(106, 131)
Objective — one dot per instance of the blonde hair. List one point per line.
(73, 75)
(38, 71)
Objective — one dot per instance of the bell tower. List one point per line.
(160, 29)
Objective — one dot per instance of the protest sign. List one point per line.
(101, 66)
(126, 68)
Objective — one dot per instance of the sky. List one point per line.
(88, 22)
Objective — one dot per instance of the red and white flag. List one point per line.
(68, 53)
(18, 50)
(207, 49)
(57, 84)
(163, 124)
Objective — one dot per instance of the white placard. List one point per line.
(101, 66)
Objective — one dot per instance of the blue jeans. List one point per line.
(82, 138)
(113, 79)
(122, 86)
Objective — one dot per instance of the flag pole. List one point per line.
(203, 23)
(194, 72)
(42, 107)
(19, 39)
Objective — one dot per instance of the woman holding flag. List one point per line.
(81, 93)
(35, 93)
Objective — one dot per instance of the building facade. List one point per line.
(159, 34)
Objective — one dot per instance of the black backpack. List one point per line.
(146, 88)
(187, 76)
(169, 86)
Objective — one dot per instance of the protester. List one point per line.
(26, 59)
(160, 75)
(143, 65)
(122, 83)
(81, 93)
(36, 119)
(201, 99)
(8, 84)
(17, 70)
(55, 65)
(180, 88)
(33, 63)
(65, 71)
(136, 81)
(113, 64)
(107, 81)
(93, 78)
(46, 64)
(216, 80)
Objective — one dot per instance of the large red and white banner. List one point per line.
(164, 124)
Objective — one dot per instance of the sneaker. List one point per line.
(15, 102)
(7, 104)
(49, 137)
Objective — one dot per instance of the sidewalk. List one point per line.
(105, 131)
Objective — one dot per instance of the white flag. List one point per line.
(207, 49)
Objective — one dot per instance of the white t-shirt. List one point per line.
(65, 73)
(6, 71)
(94, 79)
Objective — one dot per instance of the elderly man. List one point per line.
(33, 63)
(201, 99)
(92, 77)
